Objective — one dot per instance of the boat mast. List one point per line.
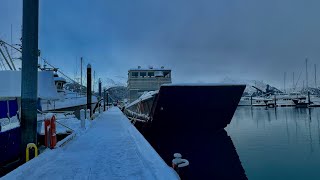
(306, 73)
(81, 75)
(284, 82)
(293, 81)
(315, 76)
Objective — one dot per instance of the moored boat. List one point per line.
(181, 118)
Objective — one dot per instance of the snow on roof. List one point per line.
(60, 79)
(11, 84)
(150, 69)
(203, 84)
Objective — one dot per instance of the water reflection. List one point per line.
(223, 158)
(280, 143)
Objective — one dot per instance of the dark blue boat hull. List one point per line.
(9, 145)
(186, 119)
(10, 140)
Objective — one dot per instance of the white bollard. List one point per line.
(101, 109)
(88, 114)
(82, 118)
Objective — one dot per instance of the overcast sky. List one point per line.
(201, 41)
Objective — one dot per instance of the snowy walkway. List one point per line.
(111, 149)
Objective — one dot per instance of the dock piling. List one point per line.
(29, 74)
(88, 114)
(100, 95)
(107, 100)
(104, 99)
(89, 93)
(82, 118)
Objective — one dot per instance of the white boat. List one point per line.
(67, 100)
(284, 99)
(252, 101)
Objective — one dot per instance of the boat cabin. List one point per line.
(59, 82)
(142, 80)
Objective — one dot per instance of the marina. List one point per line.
(158, 90)
(281, 143)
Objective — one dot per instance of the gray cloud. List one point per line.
(202, 41)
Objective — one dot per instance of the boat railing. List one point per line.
(133, 116)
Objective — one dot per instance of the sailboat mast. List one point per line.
(315, 75)
(293, 80)
(306, 73)
(81, 75)
(284, 82)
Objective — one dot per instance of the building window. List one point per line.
(166, 74)
(143, 74)
(151, 74)
(134, 74)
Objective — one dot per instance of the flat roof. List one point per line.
(148, 69)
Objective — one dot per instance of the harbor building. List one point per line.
(141, 80)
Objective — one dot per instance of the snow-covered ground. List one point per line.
(111, 149)
(65, 123)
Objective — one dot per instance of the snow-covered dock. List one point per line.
(111, 148)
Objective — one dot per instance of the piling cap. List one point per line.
(177, 155)
(89, 66)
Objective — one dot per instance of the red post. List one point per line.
(47, 130)
(50, 132)
(53, 132)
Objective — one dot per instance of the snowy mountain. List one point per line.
(254, 87)
(117, 93)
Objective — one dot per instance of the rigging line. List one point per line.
(2, 64)
(1, 41)
(4, 57)
(298, 79)
(58, 70)
(8, 54)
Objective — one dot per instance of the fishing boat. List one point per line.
(67, 100)
(10, 100)
(183, 118)
(252, 101)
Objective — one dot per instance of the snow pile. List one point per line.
(7, 124)
(111, 149)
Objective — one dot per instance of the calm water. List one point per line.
(282, 143)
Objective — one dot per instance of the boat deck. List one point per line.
(111, 148)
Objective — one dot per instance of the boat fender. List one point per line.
(178, 162)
